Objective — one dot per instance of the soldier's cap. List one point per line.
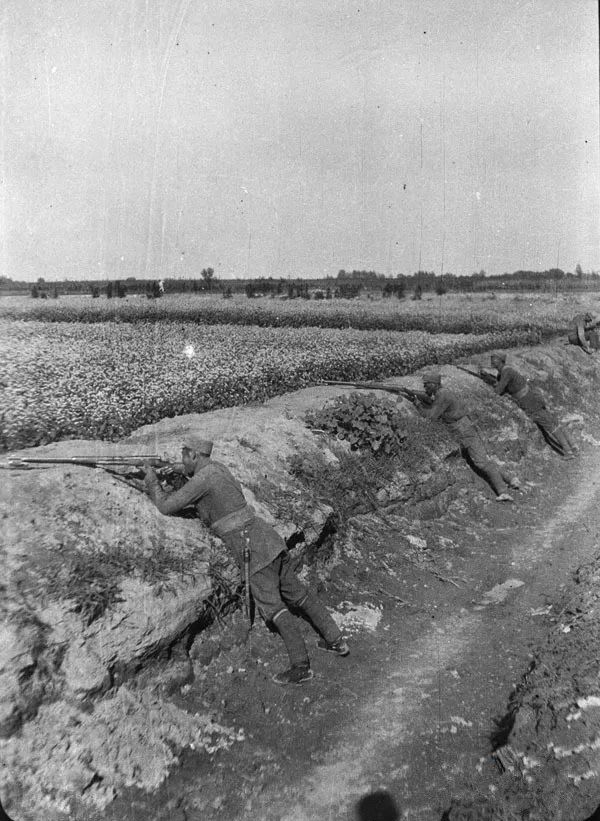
(498, 355)
(197, 444)
(432, 378)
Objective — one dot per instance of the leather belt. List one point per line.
(233, 521)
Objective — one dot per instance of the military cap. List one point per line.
(432, 377)
(197, 444)
(498, 355)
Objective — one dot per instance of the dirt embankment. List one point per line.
(74, 654)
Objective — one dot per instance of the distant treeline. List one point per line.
(346, 284)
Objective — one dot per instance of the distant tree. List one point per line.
(250, 289)
(440, 288)
(55, 292)
(418, 293)
(349, 290)
(207, 275)
(328, 293)
(120, 289)
(109, 290)
(34, 292)
(578, 271)
(227, 293)
(95, 292)
(319, 295)
(156, 292)
(400, 288)
(41, 282)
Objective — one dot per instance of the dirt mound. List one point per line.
(548, 742)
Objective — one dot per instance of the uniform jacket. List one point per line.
(216, 494)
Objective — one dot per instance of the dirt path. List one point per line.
(427, 715)
(411, 710)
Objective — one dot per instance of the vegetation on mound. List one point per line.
(90, 579)
(362, 420)
(373, 442)
(103, 381)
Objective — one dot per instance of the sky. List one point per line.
(154, 138)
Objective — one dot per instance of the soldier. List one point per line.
(450, 410)
(221, 505)
(584, 332)
(510, 381)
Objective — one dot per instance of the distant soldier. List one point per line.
(220, 504)
(511, 382)
(448, 408)
(584, 332)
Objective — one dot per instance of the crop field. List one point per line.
(452, 313)
(98, 368)
(103, 380)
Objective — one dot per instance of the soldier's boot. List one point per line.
(299, 670)
(320, 619)
(572, 446)
(564, 443)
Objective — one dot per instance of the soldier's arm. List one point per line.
(169, 502)
(580, 330)
(440, 404)
(502, 383)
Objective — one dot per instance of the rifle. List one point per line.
(407, 393)
(115, 465)
(485, 377)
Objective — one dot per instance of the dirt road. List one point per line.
(412, 709)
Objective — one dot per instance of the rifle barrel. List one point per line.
(469, 371)
(73, 460)
(369, 386)
(347, 384)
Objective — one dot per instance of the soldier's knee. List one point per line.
(270, 614)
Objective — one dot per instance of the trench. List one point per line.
(414, 709)
(400, 736)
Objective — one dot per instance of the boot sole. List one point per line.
(333, 652)
(301, 681)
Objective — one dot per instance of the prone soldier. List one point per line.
(511, 382)
(220, 504)
(448, 408)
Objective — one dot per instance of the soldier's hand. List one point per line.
(149, 472)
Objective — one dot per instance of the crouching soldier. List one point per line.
(449, 409)
(220, 504)
(531, 402)
(584, 332)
